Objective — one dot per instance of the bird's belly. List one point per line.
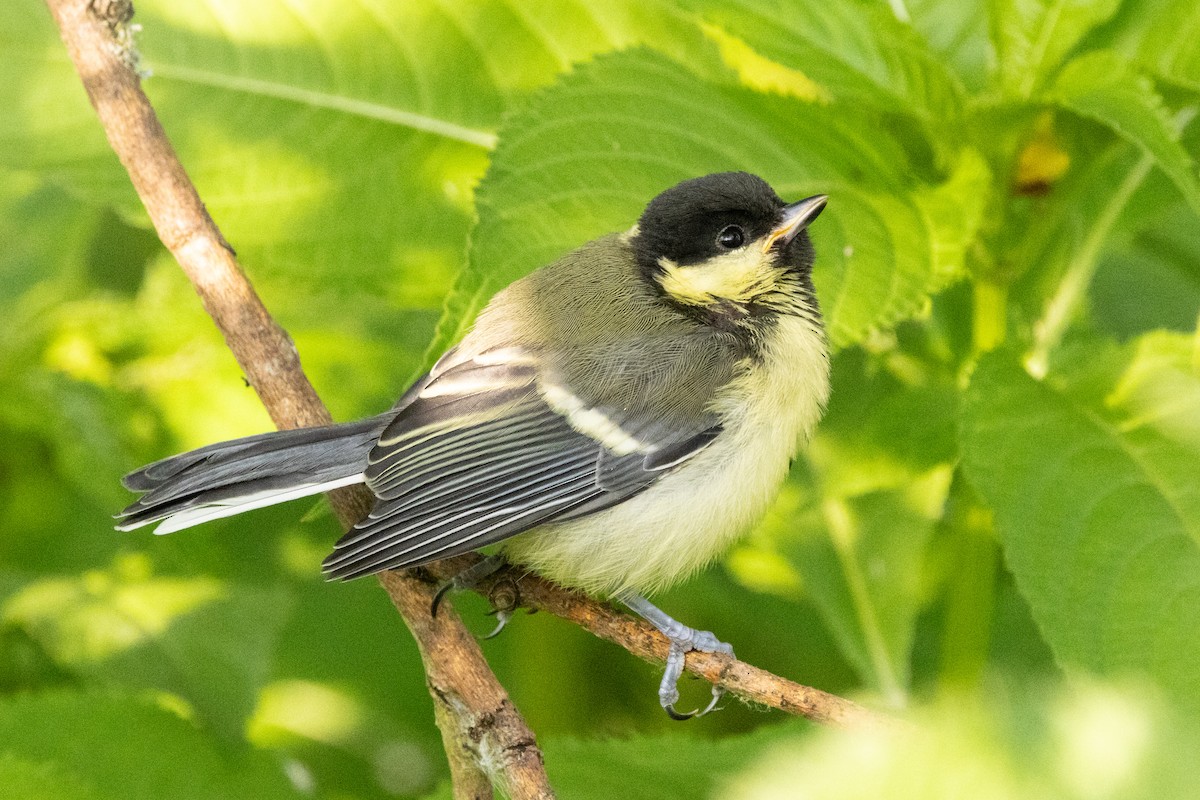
(666, 533)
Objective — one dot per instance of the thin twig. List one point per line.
(642, 640)
(486, 739)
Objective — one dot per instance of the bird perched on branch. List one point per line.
(614, 421)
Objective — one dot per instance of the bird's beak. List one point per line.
(796, 217)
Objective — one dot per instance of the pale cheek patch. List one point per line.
(740, 277)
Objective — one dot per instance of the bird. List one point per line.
(614, 421)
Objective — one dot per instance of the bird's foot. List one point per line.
(683, 639)
(503, 595)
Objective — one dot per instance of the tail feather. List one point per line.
(230, 477)
(216, 509)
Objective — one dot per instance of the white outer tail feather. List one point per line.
(205, 513)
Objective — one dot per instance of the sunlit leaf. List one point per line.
(857, 52)
(1161, 35)
(31, 780)
(1101, 86)
(207, 642)
(1092, 476)
(611, 135)
(958, 32)
(1032, 37)
(1085, 742)
(336, 144)
(125, 747)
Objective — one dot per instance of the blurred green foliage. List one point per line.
(997, 525)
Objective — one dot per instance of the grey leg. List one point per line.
(683, 639)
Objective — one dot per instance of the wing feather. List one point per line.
(483, 449)
(469, 528)
(477, 484)
(479, 455)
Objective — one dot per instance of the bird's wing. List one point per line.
(496, 444)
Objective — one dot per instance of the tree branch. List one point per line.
(642, 640)
(480, 725)
(485, 736)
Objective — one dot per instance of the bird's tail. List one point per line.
(231, 477)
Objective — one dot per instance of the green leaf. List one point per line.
(96, 745)
(855, 522)
(1153, 280)
(1103, 87)
(1041, 238)
(31, 780)
(859, 557)
(583, 158)
(858, 53)
(1161, 35)
(1092, 475)
(336, 144)
(1090, 741)
(958, 33)
(663, 767)
(41, 227)
(208, 642)
(1033, 37)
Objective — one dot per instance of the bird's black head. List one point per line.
(705, 217)
(726, 241)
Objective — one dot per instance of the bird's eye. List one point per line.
(731, 237)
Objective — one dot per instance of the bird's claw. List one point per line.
(717, 694)
(503, 595)
(668, 692)
(442, 591)
(682, 639)
(502, 618)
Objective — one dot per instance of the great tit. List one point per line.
(617, 419)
